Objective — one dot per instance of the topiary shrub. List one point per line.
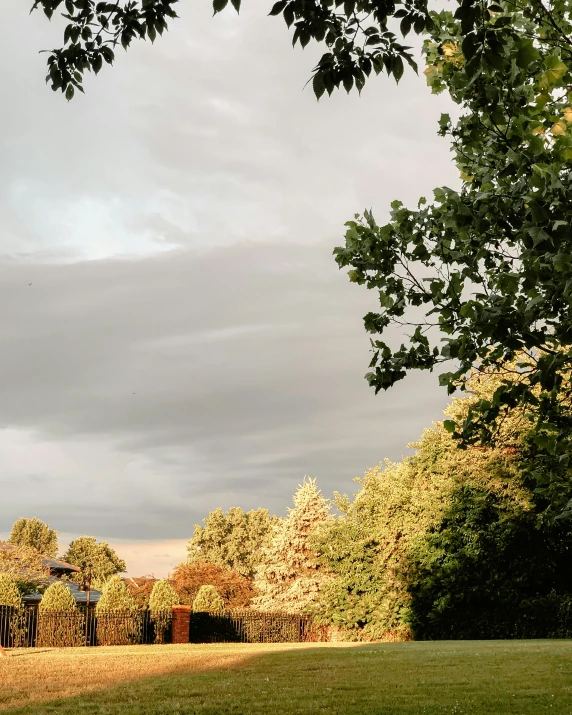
(208, 600)
(12, 606)
(60, 624)
(163, 598)
(118, 619)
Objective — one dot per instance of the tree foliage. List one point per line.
(208, 600)
(35, 534)
(233, 539)
(356, 35)
(448, 543)
(98, 562)
(115, 597)
(291, 577)
(9, 593)
(25, 565)
(141, 588)
(60, 624)
(236, 590)
(57, 598)
(163, 598)
(482, 274)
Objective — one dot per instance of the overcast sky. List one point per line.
(175, 333)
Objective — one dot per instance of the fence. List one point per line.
(251, 627)
(29, 627)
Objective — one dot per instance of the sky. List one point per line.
(175, 335)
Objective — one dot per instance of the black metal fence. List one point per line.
(251, 627)
(28, 627)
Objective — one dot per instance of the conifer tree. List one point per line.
(35, 534)
(291, 578)
(163, 598)
(208, 600)
(60, 624)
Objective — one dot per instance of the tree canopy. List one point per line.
(25, 565)
(449, 543)
(290, 578)
(98, 562)
(35, 534)
(232, 539)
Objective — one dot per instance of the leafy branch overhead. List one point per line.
(356, 34)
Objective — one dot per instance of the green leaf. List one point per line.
(278, 7)
(449, 425)
(69, 92)
(219, 5)
(318, 84)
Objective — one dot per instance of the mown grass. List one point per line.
(476, 678)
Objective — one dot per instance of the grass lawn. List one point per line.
(473, 677)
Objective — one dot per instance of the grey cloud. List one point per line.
(137, 394)
(234, 372)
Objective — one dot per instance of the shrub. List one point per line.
(163, 598)
(141, 588)
(9, 593)
(208, 600)
(235, 590)
(60, 624)
(118, 620)
(11, 602)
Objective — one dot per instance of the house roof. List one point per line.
(80, 596)
(52, 564)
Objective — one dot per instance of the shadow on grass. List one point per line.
(476, 678)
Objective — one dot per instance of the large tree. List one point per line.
(291, 577)
(449, 543)
(477, 274)
(233, 539)
(98, 561)
(35, 534)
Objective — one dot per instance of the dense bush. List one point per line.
(13, 607)
(163, 598)
(208, 600)
(489, 570)
(236, 590)
(449, 543)
(60, 624)
(118, 620)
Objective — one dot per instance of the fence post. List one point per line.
(181, 624)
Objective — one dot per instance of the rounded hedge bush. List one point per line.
(208, 600)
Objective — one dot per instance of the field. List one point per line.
(492, 677)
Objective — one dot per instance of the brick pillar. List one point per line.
(181, 624)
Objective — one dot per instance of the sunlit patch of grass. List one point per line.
(474, 678)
